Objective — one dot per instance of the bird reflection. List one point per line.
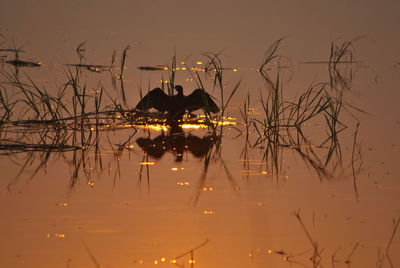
(176, 105)
(177, 142)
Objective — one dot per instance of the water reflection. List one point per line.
(17, 62)
(23, 63)
(177, 143)
(280, 127)
(94, 68)
(84, 135)
(34, 144)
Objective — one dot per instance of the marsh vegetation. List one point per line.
(77, 122)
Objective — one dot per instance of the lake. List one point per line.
(299, 168)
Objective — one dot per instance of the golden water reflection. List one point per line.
(137, 191)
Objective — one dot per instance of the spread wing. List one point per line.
(200, 99)
(156, 99)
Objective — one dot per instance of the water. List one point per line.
(112, 205)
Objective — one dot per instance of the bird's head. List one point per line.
(179, 89)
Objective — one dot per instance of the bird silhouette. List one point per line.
(176, 105)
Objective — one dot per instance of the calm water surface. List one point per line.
(230, 207)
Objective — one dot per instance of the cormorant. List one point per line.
(177, 105)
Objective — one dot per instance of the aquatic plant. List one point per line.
(282, 123)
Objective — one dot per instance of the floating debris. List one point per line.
(11, 50)
(22, 63)
(199, 69)
(94, 68)
(37, 147)
(233, 69)
(278, 252)
(151, 68)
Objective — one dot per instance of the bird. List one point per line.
(177, 105)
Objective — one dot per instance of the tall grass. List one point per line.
(37, 124)
(283, 121)
(77, 116)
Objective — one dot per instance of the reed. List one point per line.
(282, 123)
(123, 60)
(78, 116)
